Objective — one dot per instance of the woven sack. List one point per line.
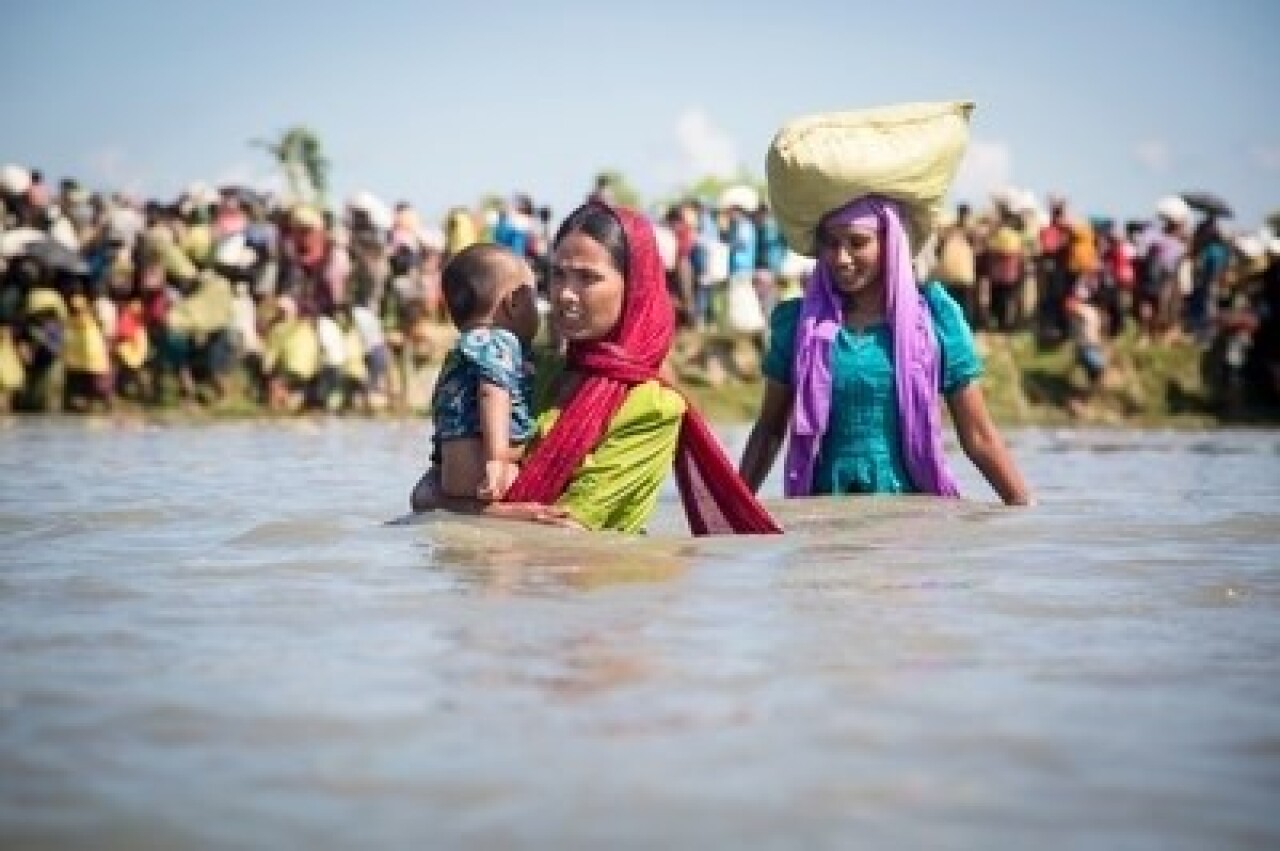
(909, 153)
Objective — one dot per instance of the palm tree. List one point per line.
(301, 157)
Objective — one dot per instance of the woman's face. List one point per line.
(586, 289)
(852, 253)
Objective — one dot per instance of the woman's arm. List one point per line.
(982, 442)
(767, 434)
(426, 496)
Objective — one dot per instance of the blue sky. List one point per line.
(1113, 103)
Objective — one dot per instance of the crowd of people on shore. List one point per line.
(222, 291)
(1178, 278)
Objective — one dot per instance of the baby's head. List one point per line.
(486, 284)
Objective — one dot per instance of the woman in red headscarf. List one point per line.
(610, 427)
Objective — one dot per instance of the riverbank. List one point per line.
(1025, 383)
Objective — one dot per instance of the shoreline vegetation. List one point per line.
(1026, 383)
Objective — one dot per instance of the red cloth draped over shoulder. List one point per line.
(716, 501)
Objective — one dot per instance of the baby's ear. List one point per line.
(504, 301)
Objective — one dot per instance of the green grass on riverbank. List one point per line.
(1025, 383)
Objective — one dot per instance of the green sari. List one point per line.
(616, 487)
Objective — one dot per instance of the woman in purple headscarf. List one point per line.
(855, 370)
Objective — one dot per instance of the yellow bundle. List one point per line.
(909, 153)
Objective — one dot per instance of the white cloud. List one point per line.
(987, 166)
(705, 148)
(1267, 157)
(1154, 154)
(701, 149)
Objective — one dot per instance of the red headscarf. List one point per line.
(716, 500)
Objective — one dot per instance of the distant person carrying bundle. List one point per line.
(855, 368)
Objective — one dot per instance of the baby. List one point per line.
(480, 407)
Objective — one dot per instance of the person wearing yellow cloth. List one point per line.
(290, 357)
(85, 358)
(197, 328)
(39, 336)
(616, 485)
(197, 242)
(459, 231)
(355, 372)
(611, 428)
(13, 374)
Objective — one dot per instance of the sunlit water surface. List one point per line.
(209, 637)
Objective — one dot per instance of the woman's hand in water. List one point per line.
(426, 496)
(535, 512)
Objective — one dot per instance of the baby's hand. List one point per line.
(498, 476)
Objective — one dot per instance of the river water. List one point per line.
(210, 638)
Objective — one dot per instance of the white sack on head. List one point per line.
(909, 153)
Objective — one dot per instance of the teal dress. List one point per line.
(861, 450)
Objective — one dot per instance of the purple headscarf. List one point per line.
(915, 359)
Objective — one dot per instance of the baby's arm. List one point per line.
(495, 434)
